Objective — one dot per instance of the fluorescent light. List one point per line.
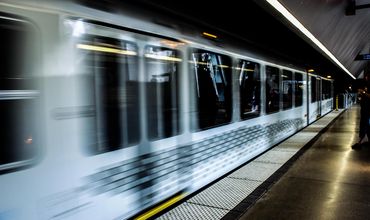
(172, 44)
(160, 57)
(105, 49)
(205, 63)
(248, 70)
(209, 35)
(223, 66)
(276, 4)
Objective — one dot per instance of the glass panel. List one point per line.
(250, 85)
(18, 139)
(161, 70)
(287, 89)
(18, 94)
(16, 54)
(313, 89)
(111, 68)
(213, 88)
(326, 89)
(272, 89)
(298, 89)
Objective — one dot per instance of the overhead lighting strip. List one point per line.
(276, 4)
(105, 49)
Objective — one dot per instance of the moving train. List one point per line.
(104, 115)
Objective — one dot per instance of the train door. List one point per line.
(326, 96)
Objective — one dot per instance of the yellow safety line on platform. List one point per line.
(160, 208)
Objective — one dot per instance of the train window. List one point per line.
(111, 68)
(15, 50)
(298, 85)
(313, 89)
(212, 74)
(250, 85)
(161, 82)
(18, 137)
(272, 89)
(326, 89)
(19, 142)
(287, 89)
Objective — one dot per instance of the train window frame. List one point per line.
(287, 75)
(22, 93)
(116, 50)
(170, 125)
(254, 80)
(201, 105)
(269, 91)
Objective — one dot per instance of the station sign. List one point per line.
(363, 57)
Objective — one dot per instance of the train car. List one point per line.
(106, 114)
(320, 96)
(327, 101)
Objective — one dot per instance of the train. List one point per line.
(105, 115)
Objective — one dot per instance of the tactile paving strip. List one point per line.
(226, 193)
(256, 171)
(291, 146)
(275, 156)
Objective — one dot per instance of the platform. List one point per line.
(312, 175)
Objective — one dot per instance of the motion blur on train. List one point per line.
(104, 115)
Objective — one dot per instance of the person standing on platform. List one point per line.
(364, 97)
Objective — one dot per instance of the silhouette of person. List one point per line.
(364, 96)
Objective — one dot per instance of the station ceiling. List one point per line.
(343, 30)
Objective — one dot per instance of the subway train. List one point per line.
(105, 115)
